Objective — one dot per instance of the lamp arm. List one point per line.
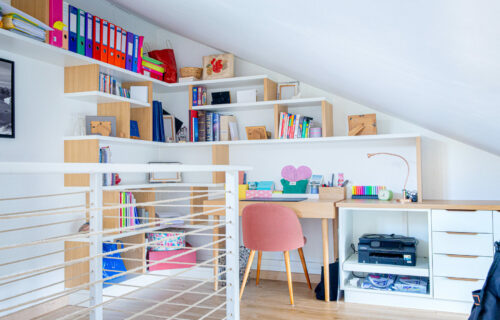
(396, 155)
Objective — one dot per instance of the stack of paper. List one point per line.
(22, 23)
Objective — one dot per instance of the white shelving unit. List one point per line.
(161, 185)
(303, 102)
(103, 97)
(421, 269)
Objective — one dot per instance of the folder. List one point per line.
(111, 43)
(130, 51)
(96, 36)
(135, 53)
(81, 32)
(89, 44)
(118, 46)
(139, 57)
(104, 42)
(73, 29)
(123, 49)
(55, 14)
(65, 15)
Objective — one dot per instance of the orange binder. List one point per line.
(118, 46)
(104, 40)
(112, 43)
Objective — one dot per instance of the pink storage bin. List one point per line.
(160, 255)
(259, 194)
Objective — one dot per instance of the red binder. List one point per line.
(123, 49)
(96, 36)
(104, 40)
(118, 46)
(111, 43)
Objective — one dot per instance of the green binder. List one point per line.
(80, 27)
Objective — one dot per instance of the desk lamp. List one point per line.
(403, 200)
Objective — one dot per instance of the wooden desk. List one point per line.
(312, 208)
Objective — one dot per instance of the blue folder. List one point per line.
(73, 23)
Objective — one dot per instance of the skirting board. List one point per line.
(39, 310)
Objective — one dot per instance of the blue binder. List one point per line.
(73, 37)
(135, 56)
(89, 44)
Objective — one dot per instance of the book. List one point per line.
(202, 125)
(224, 127)
(192, 115)
(209, 131)
(195, 96)
(216, 127)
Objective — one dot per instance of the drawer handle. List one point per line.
(461, 256)
(463, 279)
(468, 210)
(463, 233)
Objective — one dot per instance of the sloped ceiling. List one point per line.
(434, 63)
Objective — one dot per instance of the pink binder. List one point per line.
(55, 14)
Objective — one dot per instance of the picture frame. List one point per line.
(169, 127)
(288, 90)
(99, 125)
(218, 66)
(162, 177)
(7, 99)
(256, 133)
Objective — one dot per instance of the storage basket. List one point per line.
(172, 239)
(191, 72)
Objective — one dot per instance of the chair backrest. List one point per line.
(271, 227)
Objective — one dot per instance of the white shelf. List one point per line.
(387, 292)
(161, 185)
(379, 137)
(46, 53)
(303, 102)
(421, 269)
(103, 97)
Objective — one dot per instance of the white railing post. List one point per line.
(95, 249)
(232, 247)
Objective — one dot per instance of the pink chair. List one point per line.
(271, 227)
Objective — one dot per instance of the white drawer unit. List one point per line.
(472, 244)
(459, 289)
(470, 267)
(462, 221)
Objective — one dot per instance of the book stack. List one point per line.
(22, 23)
(152, 68)
(108, 179)
(129, 216)
(199, 96)
(110, 85)
(212, 126)
(293, 126)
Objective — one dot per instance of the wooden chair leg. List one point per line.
(289, 275)
(259, 260)
(247, 271)
(304, 266)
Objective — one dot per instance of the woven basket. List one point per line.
(191, 72)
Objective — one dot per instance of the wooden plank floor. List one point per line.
(268, 301)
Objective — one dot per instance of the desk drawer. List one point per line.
(470, 267)
(471, 244)
(456, 288)
(462, 221)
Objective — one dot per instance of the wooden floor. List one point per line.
(268, 301)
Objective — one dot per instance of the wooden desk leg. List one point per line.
(326, 262)
(216, 252)
(335, 223)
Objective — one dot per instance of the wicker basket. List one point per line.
(191, 72)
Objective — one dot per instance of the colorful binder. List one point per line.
(135, 53)
(73, 29)
(81, 32)
(104, 42)
(118, 46)
(111, 43)
(55, 14)
(89, 44)
(130, 51)
(65, 32)
(96, 36)
(140, 53)
(123, 49)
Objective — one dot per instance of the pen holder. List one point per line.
(332, 193)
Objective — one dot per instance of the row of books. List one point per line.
(111, 85)
(131, 216)
(199, 96)
(293, 126)
(212, 126)
(108, 179)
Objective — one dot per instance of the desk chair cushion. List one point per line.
(271, 227)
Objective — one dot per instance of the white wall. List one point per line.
(451, 170)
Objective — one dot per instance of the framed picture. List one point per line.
(288, 90)
(256, 133)
(101, 126)
(159, 177)
(218, 66)
(169, 127)
(7, 123)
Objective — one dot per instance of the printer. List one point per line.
(387, 249)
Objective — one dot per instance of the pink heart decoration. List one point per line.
(290, 173)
